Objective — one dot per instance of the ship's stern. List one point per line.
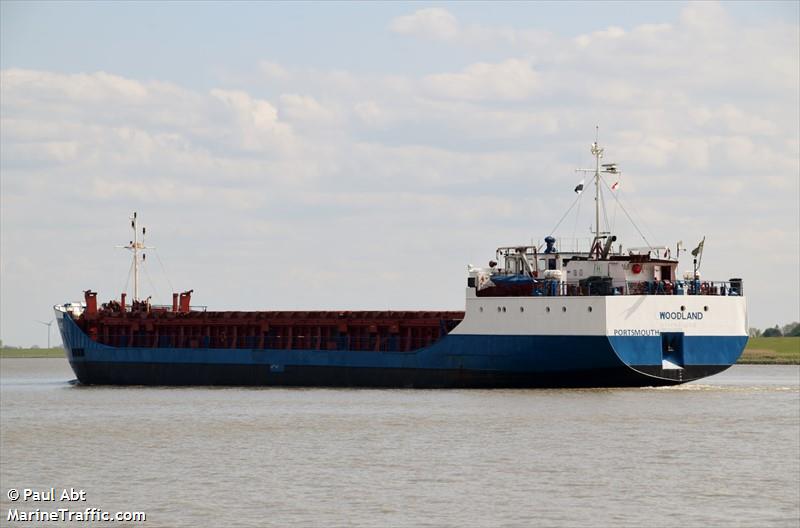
(679, 337)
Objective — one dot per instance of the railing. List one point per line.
(717, 288)
(732, 288)
(605, 286)
(142, 307)
(168, 307)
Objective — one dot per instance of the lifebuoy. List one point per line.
(636, 268)
(704, 288)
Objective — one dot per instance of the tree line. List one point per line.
(788, 330)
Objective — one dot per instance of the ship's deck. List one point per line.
(315, 330)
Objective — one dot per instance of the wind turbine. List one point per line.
(48, 325)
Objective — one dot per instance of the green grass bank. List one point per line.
(7, 352)
(772, 350)
(760, 350)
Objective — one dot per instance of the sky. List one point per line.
(361, 155)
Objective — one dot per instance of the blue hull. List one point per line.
(456, 361)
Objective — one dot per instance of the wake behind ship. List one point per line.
(534, 317)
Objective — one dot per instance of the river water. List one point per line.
(721, 452)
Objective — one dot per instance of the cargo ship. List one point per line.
(535, 316)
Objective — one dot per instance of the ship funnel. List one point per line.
(607, 248)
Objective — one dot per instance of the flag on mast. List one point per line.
(579, 187)
(614, 187)
(699, 249)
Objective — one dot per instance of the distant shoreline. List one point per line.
(759, 351)
(6, 352)
(753, 359)
(771, 351)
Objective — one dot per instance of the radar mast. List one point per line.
(606, 168)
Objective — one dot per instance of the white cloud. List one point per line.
(512, 79)
(705, 17)
(273, 70)
(597, 37)
(100, 86)
(438, 24)
(305, 109)
(371, 113)
(256, 123)
(432, 22)
(738, 122)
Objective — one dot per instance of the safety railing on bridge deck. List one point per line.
(733, 287)
(605, 286)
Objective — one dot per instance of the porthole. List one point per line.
(481, 308)
(521, 308)
(563, 308)
(589, 308)
(705, 308)
(504, 309)
(498, 309)
(683, 308)
(547, 309)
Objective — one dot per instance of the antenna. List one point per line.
(606, 168)
(48, 325)
(135, 246)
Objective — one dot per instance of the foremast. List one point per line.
(136, 247)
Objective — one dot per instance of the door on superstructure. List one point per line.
(616, 270)
(672, 349)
